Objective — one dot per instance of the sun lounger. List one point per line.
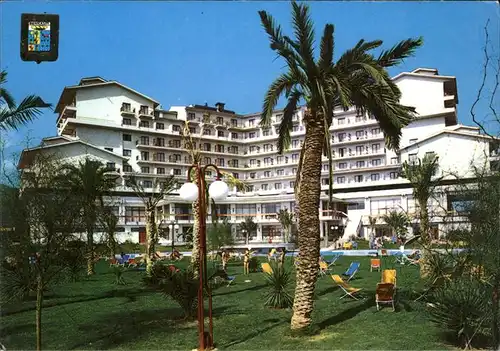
(385, 294)
(348, 290)
(352, 270)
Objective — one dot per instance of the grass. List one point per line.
(97, 314)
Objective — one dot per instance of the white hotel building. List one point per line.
(131, 133)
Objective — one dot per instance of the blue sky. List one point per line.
(184, 53)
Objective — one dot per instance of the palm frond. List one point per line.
(304, 36)
(326, 48)
(28, 110)
(4, 93)
(283, 84)
(286, 125)
(399, 52)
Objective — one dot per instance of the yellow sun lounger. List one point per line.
(266, 268)
(348, 290)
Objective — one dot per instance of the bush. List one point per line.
(278, 295)
(253, 264)
(180, 286)
(461, 307)
(118, 271)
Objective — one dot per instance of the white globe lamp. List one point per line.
(218, 190)
(176, 227)
(189, 192)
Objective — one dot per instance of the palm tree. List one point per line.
(357, 79)
(286, 220)
(88, 179)
(398, 222)
(421, 174)
(248, 226)
(372, 224)
(109, 223)
(12, 116)
(150, 201)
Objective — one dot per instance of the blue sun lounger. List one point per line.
(352, 270)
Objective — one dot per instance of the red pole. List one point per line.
(201, 317)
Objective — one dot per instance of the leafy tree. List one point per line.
(248, 226)
(150, 201)
(398, 221)
(286, 219)
(357, 79)
(109, 223)
(12, 115)
(88, 180)
(219, 234)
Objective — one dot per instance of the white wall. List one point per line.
(101, 137)
(105, 102)
(421, 129)
(424, 93)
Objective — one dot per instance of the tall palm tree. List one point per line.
(88, 179)
(12, 115)
(372, 224)
(286, 220)
(357, 79)
(161, 188)
(398, 222)
(248, 226)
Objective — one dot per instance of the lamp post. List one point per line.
(175, 228)
(218, 190)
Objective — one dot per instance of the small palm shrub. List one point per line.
(278, 283)
(461, 307)
(180, 286)
(118, 271)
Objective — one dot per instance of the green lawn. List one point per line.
(97, 314)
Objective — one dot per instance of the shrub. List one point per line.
(180, 286)
(278, 295)
(253, 264)
(461, 308)
(118, 271)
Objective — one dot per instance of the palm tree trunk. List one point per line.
(425, 238)
(90, 249)
(39, 301)
(150, 239)
(195, 252)
(308, 236)
(111, 244)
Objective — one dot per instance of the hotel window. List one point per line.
(127, 168)
(277, 186)
(280, 172)
(207, 160)
(144, 156)
(176, 128)
(325, 181)
(144, 124)
(342, 151)
(236, 175)
(251, 135)
(160, 171)
(177, 172)
(341, 137)
(360, 164)
(251, 122)
(252, 175)
(326, 167)
(359, 150)
(108, 149)
(144, 169)
(191, 116)
(279, 159)
(279, 118)
(340, 180)
(413, 141)
(220, 120)
(375, 131)
(295, 143)
(267, 148)
(159, 142)
(294, 170)
(375, 148)
(267, 174)
(393, 175)
(292, 184)
(263, 186)
(234, 163)
(192, 130)
(358, 178)
(375, 177)
(253, 162)
(147, 184)
(295, 157)
(394, 160)
(219, 162)
(127, 137)
(220, 133)
(207, 132)
(110, 166)
(430, 154)
(127, 122)
(135, 214)
(160, 125)
(295, 128)
(160, 157)
(341, 121)
(250, 188)
(376, 162)
(126, 107)
(342, 165)
(144, 140)
(359, 134)
(266, 132)
(219, 148)
(412, 158)
(234, 135)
